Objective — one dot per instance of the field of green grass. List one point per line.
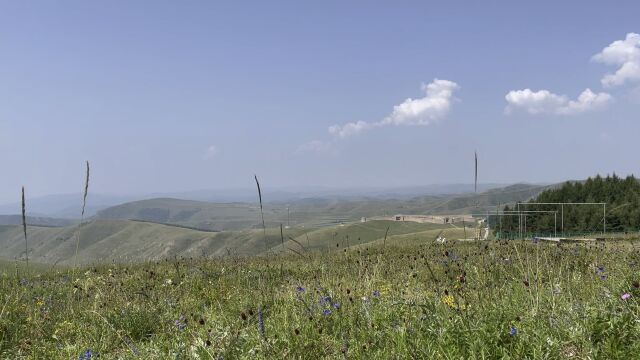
(406, 298)
(124, 241)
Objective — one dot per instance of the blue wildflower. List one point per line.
(180, 323)
(603, 277)
(326, 312)
(336, 306)
(87, 355)
(376, 293)
(325, 300)
(513, 330)
(300, 289)
(600, 269)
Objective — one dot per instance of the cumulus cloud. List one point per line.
(534, 102)
(546, 102)
(587, 101)
(625, 54)
(211, 152)
(434, 106)
(351, 128)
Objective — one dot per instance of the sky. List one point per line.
(164, 96)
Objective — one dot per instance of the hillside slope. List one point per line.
(196, 214)
(128, 241)
(104, 241)
(311, 212)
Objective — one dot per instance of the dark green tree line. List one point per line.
(622, 197)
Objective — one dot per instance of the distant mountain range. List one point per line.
(69, 205)
(35, 220)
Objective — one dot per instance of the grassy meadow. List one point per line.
(396, 299)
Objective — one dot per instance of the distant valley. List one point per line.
(166, 227)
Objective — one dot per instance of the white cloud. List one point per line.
(349, 129)
(434, 106)
(534, 102)
(426, 110)
(546, 102)
(587, 101)
(211, 152)
(626, 55)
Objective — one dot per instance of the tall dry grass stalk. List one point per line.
(86, 190)
(384, 242)
(24, 228)
(84, 204)
(264, 229)
(282, 236)
(475, 183)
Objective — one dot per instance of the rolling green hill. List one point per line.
(130, 241)
(103, 241)
(355, 234)
(309, 213)
(163, 228)
(196, 214)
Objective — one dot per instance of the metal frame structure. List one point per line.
(562, 204)
(521, 213)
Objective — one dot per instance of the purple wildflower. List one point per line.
(603, 277)
(513, 331)
(325, 300)
(180, 323)
(336, 306)
(300, 289)
(326, 312)
(625, 296)
(87, 355)
(376, 293)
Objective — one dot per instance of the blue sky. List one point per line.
(167, 96)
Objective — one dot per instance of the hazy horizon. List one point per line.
(250, 192)
(164, 98)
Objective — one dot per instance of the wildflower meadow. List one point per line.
(459, 300)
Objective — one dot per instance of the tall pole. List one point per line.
(500, 224)
(487, 230)
(288, 224)
(519, 222)
(604, 219)
(562, 218)
(497, 215)
(555, 224)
